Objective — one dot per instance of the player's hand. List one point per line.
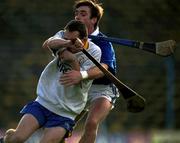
(77, 45)
(67, 56)
(70, 78)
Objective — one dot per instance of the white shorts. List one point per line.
(110, 92)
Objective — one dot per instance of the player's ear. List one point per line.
(94, 20)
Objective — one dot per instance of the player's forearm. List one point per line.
(52, 43)
(95, 72)
(69, 58)
(77, 76)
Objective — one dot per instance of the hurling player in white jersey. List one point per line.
(56, 105)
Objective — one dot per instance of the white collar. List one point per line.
(96, 32)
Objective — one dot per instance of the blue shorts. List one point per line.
(47, 118)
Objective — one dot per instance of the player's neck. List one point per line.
(90, 30)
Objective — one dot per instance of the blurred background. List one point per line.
(26, 24)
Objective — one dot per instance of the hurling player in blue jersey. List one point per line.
(103, 93)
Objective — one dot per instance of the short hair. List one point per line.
(75, 25)
(95, 8)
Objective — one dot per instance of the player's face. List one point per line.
(72, 36)
(83, 14)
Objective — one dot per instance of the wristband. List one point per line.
(84, 74)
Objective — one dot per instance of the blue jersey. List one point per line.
(108, 57)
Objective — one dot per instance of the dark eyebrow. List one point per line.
(80, 11)
(65, 38)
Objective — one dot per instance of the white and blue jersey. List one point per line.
(62, 100)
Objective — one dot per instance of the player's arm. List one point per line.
(75, 76)
(68, 57)
(56, 43)
(95, 72)
(90, 72)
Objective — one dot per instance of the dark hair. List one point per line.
(95, 8)
(75, 25)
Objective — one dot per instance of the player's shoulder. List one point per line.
(94, 49)
(101, 43)
(59, 34)
(93, 46)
